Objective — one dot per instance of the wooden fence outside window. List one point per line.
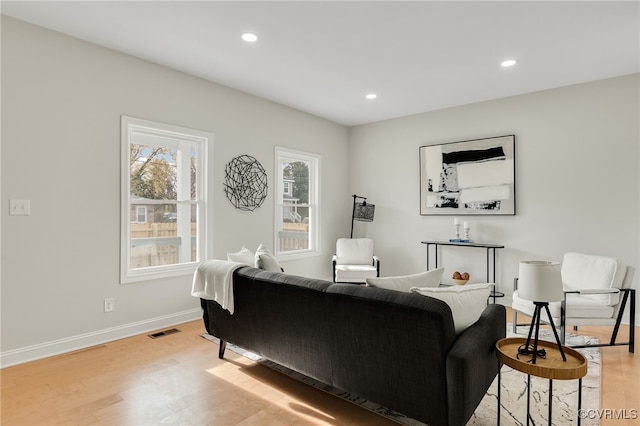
(156, 244)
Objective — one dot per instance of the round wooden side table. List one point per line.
(551, 367)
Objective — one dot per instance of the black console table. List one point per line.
(491, 250)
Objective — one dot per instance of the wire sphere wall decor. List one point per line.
(245, 183)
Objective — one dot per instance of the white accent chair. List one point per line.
(596, 291)
(354, 261)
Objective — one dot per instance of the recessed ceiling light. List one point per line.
(249, 37)
(508, 63)
(371, 96)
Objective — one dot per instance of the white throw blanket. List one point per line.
(213, 280)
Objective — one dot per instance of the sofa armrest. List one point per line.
(472, 364)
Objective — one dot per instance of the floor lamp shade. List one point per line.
(364, 212)
(540, 281)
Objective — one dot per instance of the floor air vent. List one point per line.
(164, 333)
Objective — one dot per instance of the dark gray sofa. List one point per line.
(393, 348)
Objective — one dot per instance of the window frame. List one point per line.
(314, 160)
(184, 137)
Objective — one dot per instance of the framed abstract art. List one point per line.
(474, 177)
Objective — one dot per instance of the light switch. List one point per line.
(19, 207)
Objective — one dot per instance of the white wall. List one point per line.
(577, 162)
(62, 99)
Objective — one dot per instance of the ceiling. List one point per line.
(324, 57)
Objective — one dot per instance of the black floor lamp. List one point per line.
(362, 212)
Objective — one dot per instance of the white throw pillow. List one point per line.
(406, 282)
(466, 301)
(265, 260)
(243, 256)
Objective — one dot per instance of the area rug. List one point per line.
(513, 390)
(513, 396)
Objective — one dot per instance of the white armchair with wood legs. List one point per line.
(354, 261)
(597, 290)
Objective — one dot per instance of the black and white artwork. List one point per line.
(245, 183)
(475, 177)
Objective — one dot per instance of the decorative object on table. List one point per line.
(467, 230)
(362, 212)
(540, 281)
(456, 226)
(461, 278)
(245, 183)
(474, 177)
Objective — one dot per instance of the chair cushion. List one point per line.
(577, 307)
(355, 273)
(406, 282)
(354, 251)
(588, 272)
(467, 302)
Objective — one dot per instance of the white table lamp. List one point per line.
(540, 281)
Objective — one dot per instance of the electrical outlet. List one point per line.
(19, 207)
(109, 305)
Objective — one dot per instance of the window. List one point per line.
(163, 199)
(287, 187)
(141, 214)
(297, 209)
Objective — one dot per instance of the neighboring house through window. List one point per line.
(163, 199)
(297, 207)
(287, 185)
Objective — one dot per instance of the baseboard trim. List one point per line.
(82, 341)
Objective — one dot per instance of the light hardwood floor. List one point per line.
(178, 380)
